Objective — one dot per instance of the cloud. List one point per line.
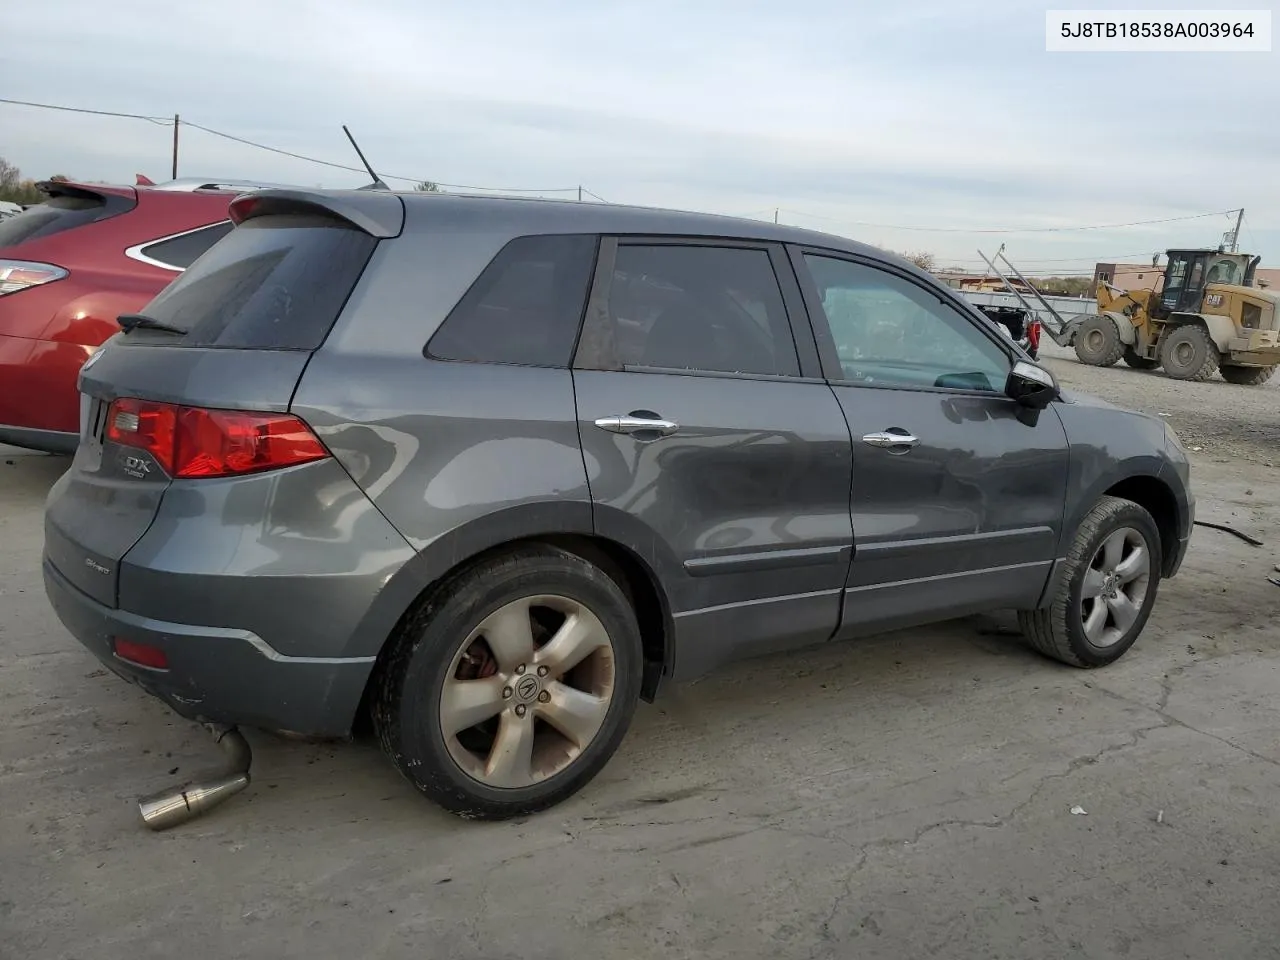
(919, 113)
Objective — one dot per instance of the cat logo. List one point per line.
(1213, 300)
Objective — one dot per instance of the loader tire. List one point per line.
(1098, 342)
(1187, 353)
(1247, 376)
(1138, 362)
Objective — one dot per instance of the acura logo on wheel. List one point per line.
(527, 688)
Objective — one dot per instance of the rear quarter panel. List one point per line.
(457, 456)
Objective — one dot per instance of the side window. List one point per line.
(692, 307)
(890, 332)
(183, 250)
(525, 307)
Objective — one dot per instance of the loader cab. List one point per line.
(1190, 271)
(1184, 281)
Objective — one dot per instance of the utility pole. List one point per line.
(579, 193)
(1235, 234)
(775, 214)
(176, 122)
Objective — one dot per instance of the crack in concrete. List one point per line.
(1161, 709)
(864, 850)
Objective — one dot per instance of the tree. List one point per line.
(16, 189)
(1064, 286)
(921, 258)
(427, 186)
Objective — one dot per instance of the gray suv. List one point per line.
(492, 470)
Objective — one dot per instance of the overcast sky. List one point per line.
(847, 116)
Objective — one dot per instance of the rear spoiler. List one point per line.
(377, 213)
(115, 200)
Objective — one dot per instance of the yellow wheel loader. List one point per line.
(1206, 316)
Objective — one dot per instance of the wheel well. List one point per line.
(1158, 500)
(624, 567)
(640, 585)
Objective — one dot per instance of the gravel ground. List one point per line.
(1228, 422)
(906, 796)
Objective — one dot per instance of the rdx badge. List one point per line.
(136, 466)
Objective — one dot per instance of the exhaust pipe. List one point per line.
(173, 806)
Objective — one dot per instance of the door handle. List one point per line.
(633, 425)
(895, 440)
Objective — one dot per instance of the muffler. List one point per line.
(173, 806)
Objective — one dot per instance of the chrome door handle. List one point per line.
(891, 438)
(664, 428)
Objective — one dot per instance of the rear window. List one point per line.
(273, 283)
(57, 214)
(525, 307)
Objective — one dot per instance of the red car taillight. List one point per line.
(18, 275)
(191, 442)
(1033, 334)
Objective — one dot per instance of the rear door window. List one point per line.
(525, 307)
(698, 307)
(275, 282)
(179, 252)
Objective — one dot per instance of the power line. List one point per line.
(1107, 258)
(1095, 226)
(164, 121)
(387, 176)
(169, 121)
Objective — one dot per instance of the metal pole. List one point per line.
(1235, 234)
(176, 122)
(579, 193)
(775, 214)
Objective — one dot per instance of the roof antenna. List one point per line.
(377, 181)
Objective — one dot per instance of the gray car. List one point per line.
(492, 470)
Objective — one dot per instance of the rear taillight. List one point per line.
(18, 275)
(191, 442)
(1033, 334)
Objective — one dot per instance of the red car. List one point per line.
(69, 267)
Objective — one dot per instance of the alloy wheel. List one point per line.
(1115, 587)
(527, 691)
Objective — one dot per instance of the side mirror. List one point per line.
(1031, 385)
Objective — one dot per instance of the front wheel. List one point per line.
(1098, 342)
(1106, 590)
(513, 686)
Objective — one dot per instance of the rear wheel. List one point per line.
(1187, 353)
(1098, 342)
(1106, 591)
(513, 686)
(1133, 359)
(1247, 376)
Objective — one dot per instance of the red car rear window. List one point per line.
(55, 215)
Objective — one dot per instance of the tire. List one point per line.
(1132, 359)
(1098, 342)
(1247, 376)
(1187, 353)
(1062, 630)
(444, 646)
